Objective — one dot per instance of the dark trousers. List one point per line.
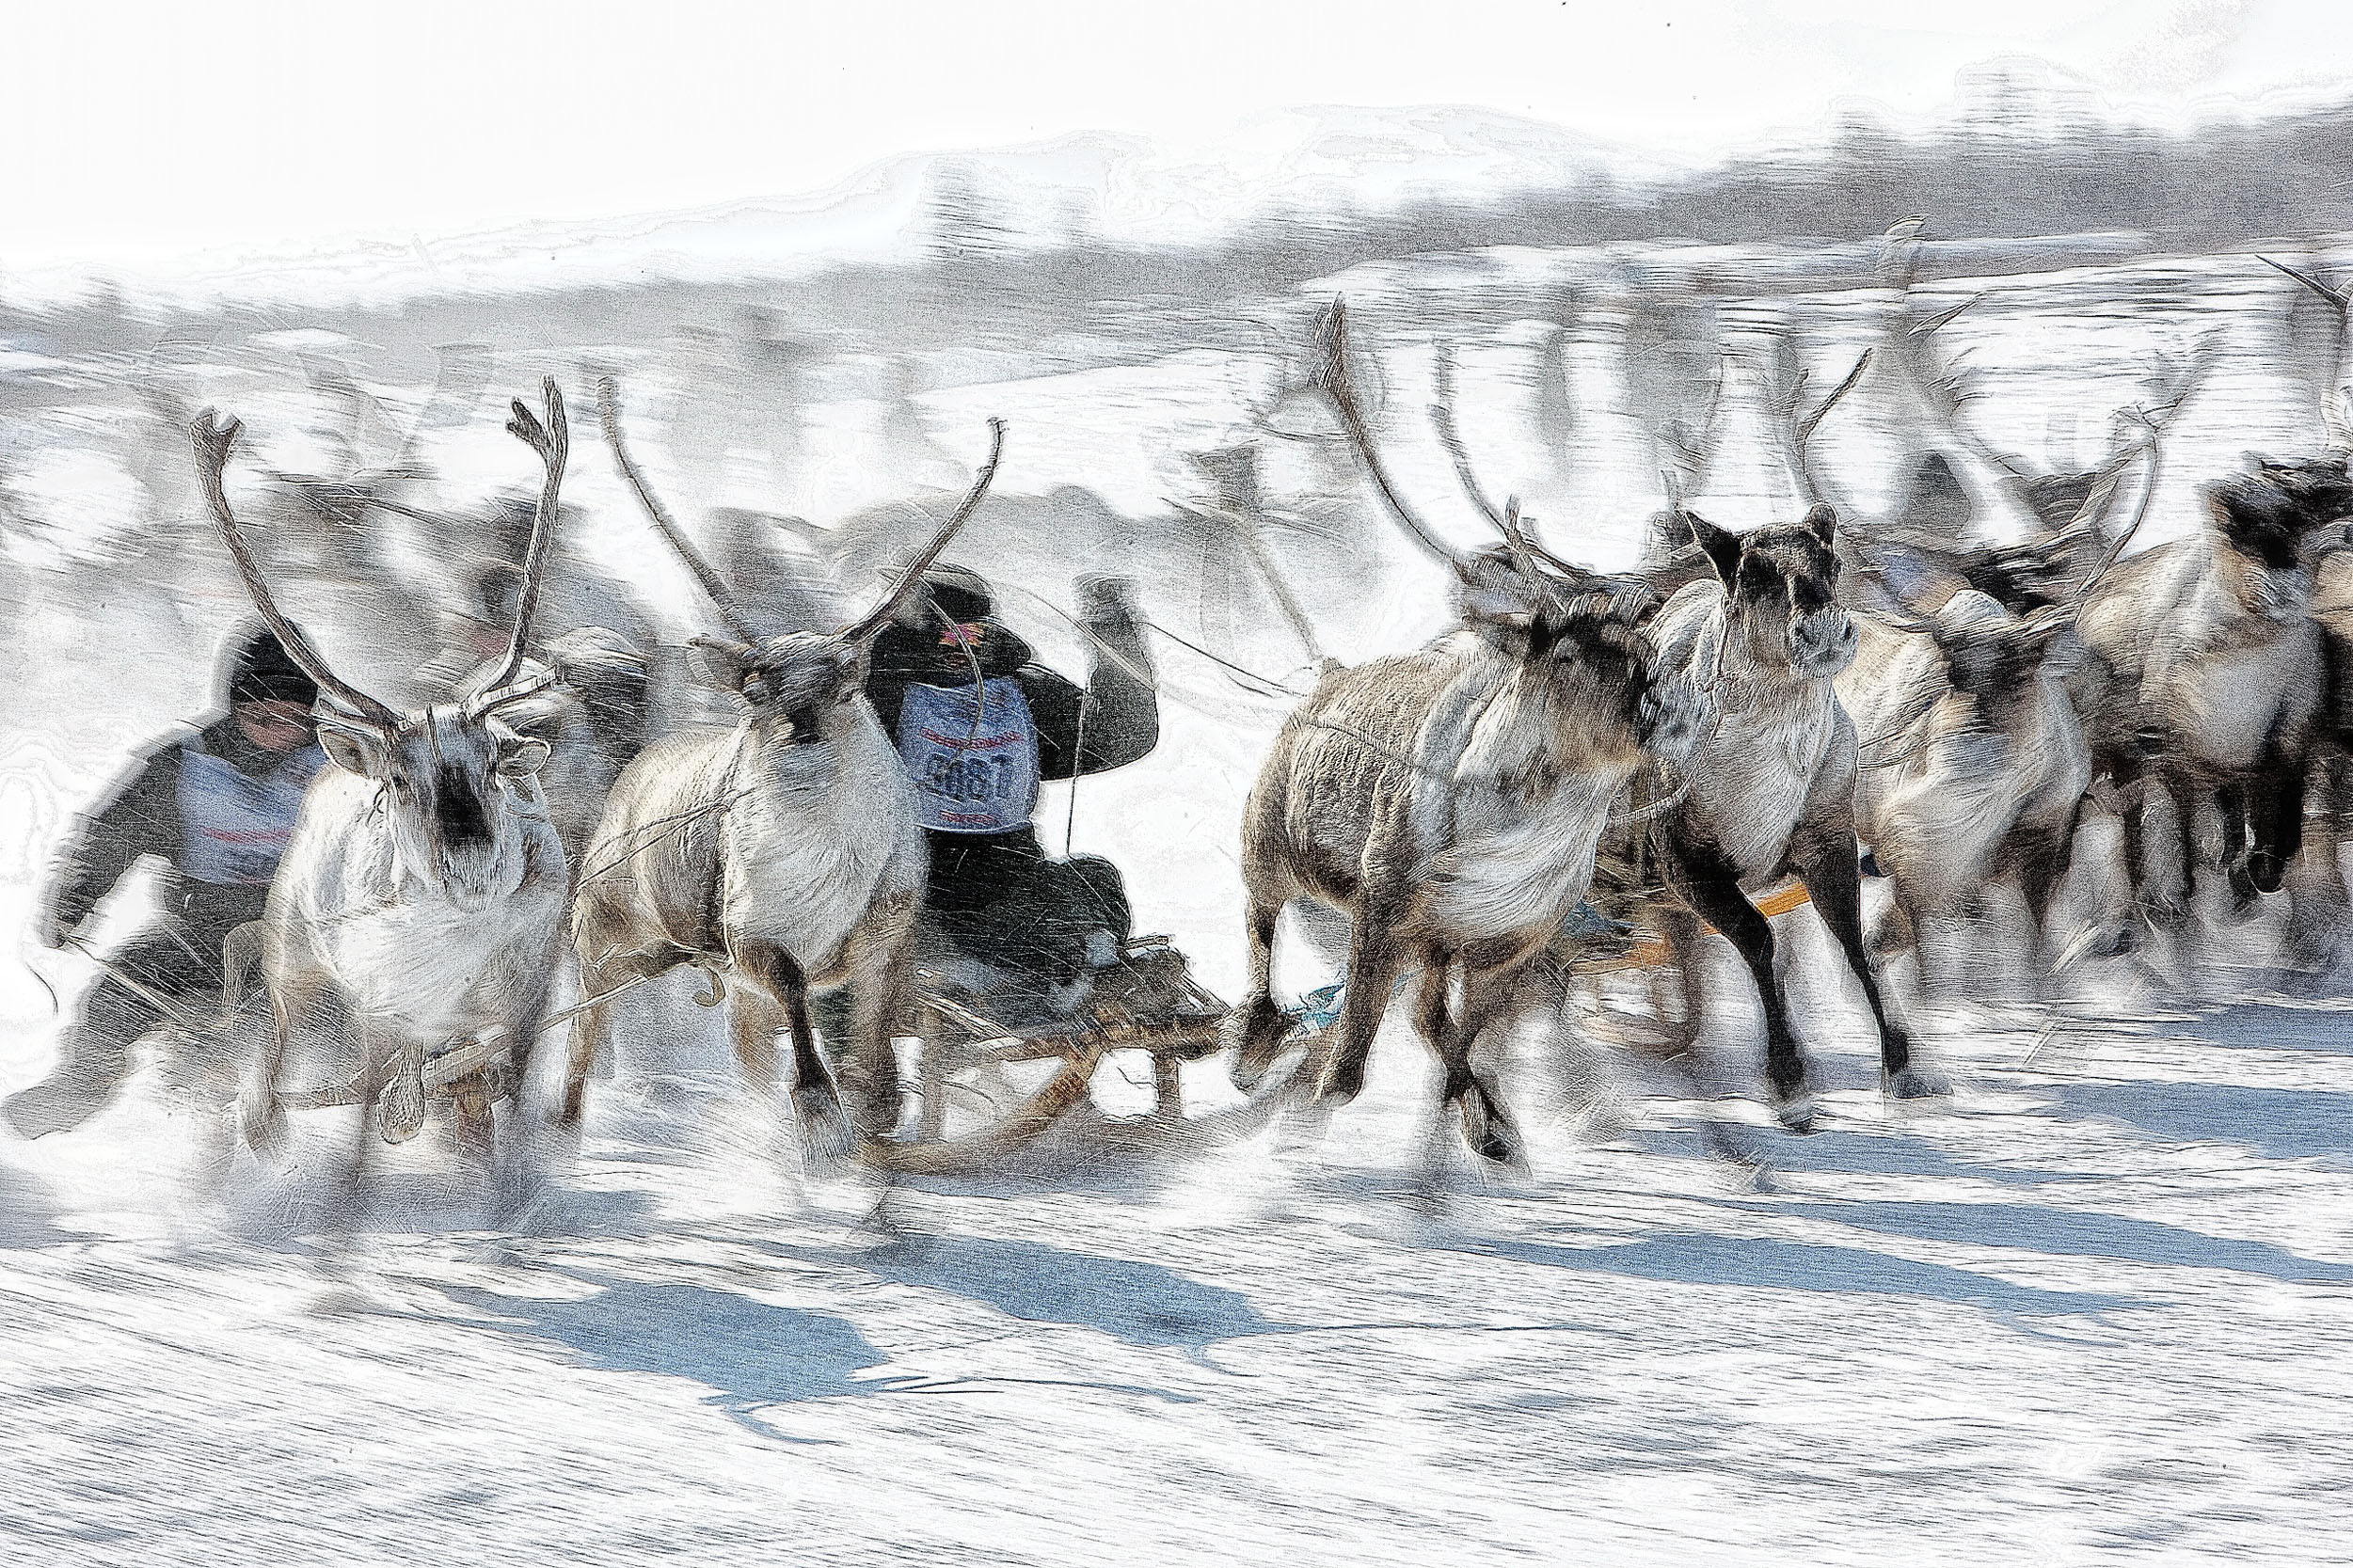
(173, 966)
(997, 898)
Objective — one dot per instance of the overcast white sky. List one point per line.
(131, 133)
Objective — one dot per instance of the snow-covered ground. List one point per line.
(2094, 1309)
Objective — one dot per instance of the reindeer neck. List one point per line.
(820, 768)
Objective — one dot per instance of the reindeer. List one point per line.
(1769, 791)
(1449, 801)
(785, 850)
(1976, 764)
(2204, 681)
(424, 885)
(2321, 486)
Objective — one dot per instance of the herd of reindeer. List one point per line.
(1580, 756)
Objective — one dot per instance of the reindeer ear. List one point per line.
(352, 750)
(1823, 523)
(1492, 595)
(522, 756)
(1722, 548)
(728, 664)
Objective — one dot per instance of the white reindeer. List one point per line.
(786, 849)
(424, 885)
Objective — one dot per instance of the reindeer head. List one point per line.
(2262, 530)
(1992, 658)
(455, 782)
(2320, 485)
(1781, 592)
(1581, 630)
(1584, 632)
(802, 688)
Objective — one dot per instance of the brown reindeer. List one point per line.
(1449, 801)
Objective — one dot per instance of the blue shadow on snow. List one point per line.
(750, 1354)
(1146, 1304)
(2279, 1124)
(1761, 1262)
(2071, 1233)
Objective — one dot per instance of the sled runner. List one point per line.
(989, 1090)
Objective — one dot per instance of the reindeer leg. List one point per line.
(2185, 841)
(346, 1207)
(516, 1182)
(1681, 929)
(2277, 804)
(2150, 901)
(826, 1138)
(1375, 957)
(402, 1102)
(1257, 1028)
(1431, 1018)
(755, 1019)
(1710, 885)
(2234, 800)
(2043, 860)
(262, 1117)
(601, 970)
(1827, 862)
(2318, 915)
(881, 961)
(1488, 991)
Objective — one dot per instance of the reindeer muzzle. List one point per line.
(1821, 642)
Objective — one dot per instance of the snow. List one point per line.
(2094, 1309)
(2097, 1308)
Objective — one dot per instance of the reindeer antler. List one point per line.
(609, 410)
(213, 443)
(913, 573)
(552, 440)
(1797, 423)
(2336, 401)
(1328, 372)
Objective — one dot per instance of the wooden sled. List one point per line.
(974, 1114)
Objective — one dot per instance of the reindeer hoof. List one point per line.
(1499, 1147)
(401, 1108)
(826, 1140)
(1917, 1083)
(1796, 1112)
(262, 1122)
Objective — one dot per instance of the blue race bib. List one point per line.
(233, 830)
(974, 758)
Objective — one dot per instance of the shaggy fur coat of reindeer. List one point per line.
(1450, 802)
(2205, 679)
(1975, 766)
(1769, 791)
(786, 849)
(424, 883)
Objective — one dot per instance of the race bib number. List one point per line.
(972, 756)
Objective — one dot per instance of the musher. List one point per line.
(218, 806)
(1046, 929)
